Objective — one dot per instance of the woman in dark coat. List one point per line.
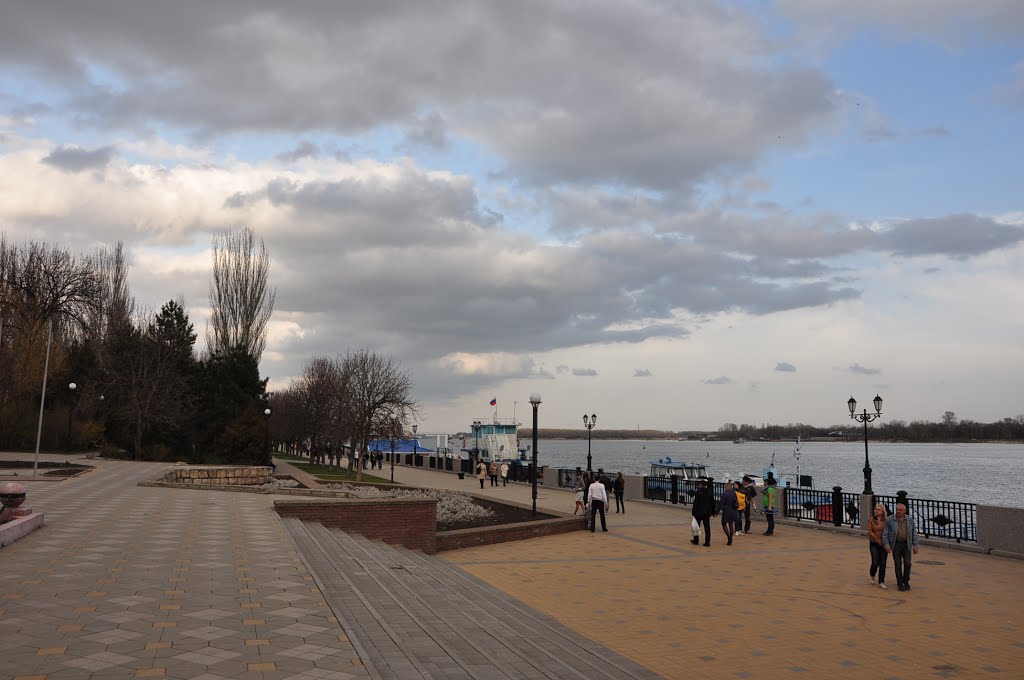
(703, 510)
(730, 511)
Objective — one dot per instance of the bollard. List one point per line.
(837, 505)
(675, 489)
(901, 497)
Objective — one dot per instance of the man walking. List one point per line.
(900, 539)
(750, 491)
(703, 510)
(598, 502)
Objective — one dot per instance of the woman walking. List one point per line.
(619, 488)
(741, 498)
(580, 505)
(730, 512)
(879, 557)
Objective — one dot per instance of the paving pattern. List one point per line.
(132, 582)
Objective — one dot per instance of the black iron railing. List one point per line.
(950, 520)
(821, 506)
(677, 490)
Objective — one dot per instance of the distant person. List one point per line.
(619, 489)
(580, 493)
(750, 491)
(703, 511)
(598, 502)
(876, 544)
(503, 471)
(769, 500)
(741, 501)
(493, 472)
(607, 487)
(481, 473)
(730, 507)
(900, 539)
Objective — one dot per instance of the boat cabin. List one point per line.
(666, 467)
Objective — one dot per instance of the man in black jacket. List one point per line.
(703, 510)
(751, 493)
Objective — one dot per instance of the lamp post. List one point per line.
(535, 401)
(589, 423)
(476, 438)
(71, 412)
(266, 436)
(391, 437)
(415, 447)
(866, 418)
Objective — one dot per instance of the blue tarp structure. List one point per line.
(401, 446)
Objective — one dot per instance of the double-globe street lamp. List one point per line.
(535, 401)
(589, 423)
(415, 446)
(866, 418)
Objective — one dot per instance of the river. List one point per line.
(977, 473)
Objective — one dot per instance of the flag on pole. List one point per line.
(494, 402)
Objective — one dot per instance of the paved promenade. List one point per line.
(130, 581)
(796, 604)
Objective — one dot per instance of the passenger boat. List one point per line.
(494, 440)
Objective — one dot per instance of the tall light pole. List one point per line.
(535, 401)
(476, 438)
(415, 445)
(589, 423)
(71, 411)
(866, 418)
(266, 436)
(395, 425)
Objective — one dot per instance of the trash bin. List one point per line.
(462, 475)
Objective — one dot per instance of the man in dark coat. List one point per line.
(703, 510)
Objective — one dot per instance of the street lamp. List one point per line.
(395, 425)
(589, 423)
(535, 400)
(866, 418)
(71, 412)
(266, 437)
(415, 448)
(476, 438)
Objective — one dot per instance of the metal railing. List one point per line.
(819, 505)
(677, 490)
(950, 520)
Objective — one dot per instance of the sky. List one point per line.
(675, 215)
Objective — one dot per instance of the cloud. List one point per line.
(642, 373)
(936, 131)
(497, 75)
(561, 368)
(957, 236)
(74, 159)
(584, 372)
(861, 370)
(305, 149)
(785, 367)
(720, 380)
(429, 132)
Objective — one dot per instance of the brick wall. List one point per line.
(466, 538)
(409, 522)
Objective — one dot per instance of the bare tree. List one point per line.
(380, 394)
(240, 300)
(322, 391)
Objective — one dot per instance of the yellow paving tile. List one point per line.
(151, 673)
(262, 667)
(69, 628)
(50, 651)
(158, 645)
(254, 622)
(170, 607)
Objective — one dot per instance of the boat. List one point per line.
(494, 440)
(666, 467)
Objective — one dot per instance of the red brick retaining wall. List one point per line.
(410, 522)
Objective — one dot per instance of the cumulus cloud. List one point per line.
(958, 236)
(785, 367)
(642, 373)
(305, 149)
(720, 380)
(584, 372)
(74, 159)
(863, 370)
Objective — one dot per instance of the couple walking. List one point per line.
(737, 500)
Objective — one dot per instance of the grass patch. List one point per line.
(329, 474)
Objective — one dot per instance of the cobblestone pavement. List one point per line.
(796, 604)
(140, 582)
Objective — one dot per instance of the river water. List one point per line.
(991, 474)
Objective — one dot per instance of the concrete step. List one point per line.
(450, 602)
(528, 624)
